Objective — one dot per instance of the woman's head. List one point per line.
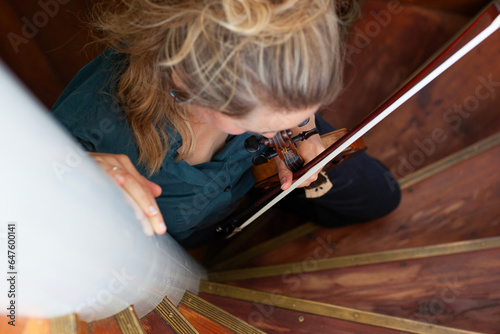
(232, 56)
(235, 56)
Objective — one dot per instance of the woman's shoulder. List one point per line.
(91, 113)
(91, 92)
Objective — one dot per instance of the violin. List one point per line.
(283, 145)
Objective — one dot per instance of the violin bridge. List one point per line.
(320, 190)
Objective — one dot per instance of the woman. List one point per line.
(166, 109)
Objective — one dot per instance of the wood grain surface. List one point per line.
(202, 323)
(153, 323)
(274, 320)
(459, 291)
(460, 203)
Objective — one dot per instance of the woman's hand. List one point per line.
(308, 150)
(143, 191)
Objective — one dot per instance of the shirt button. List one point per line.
(227, 189)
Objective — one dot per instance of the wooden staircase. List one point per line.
(426, 263)
(431, 266)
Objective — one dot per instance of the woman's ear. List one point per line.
(178, 92)
(177, 95)
(177, 81)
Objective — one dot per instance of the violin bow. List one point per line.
(413, 86)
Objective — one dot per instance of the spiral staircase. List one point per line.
(431, 266)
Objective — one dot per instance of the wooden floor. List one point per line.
(458, 290)
(277, 320)
(404, 141)
(460, 203)
(454, 205)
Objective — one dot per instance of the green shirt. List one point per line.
(192, 195)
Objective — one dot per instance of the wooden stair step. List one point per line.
(68, 324)
(23, 325)
(276, 320)
(465, 7)
(316, 265)
(264, 247)
(174, 318)
(458, 290)
(128, 321)
(384, 64)
(124, 322)
(457, 204)
(108, 325)
(220, 249)
(239, 259)
(209, 311)
(378, 63)
(47, 61)
(193, 315)
(153, 323)
(202, 323)
(276, 300)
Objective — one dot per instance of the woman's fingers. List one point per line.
(142, 191)
(144, 198)
(286, 176)
(308, 150)
(155, 189)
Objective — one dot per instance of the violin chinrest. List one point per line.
(319, 190)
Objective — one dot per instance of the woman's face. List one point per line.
(265, 121)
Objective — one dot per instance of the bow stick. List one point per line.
(384, 110)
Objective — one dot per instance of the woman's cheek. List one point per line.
(234, 131)
(229, 128)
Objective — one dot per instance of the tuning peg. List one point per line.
(264, 157)
(252, 144)
(259, 160)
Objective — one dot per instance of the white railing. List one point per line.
(79, 247)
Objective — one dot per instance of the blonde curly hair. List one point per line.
(227, 55)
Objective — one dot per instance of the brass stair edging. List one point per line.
(327, 310)
(128, 321)
(66, 324)
(174, 318)
(449, 161)
(357, 260)
(218, 315)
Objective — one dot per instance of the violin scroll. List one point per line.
(281, 144)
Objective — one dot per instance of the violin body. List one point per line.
(266, 175)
